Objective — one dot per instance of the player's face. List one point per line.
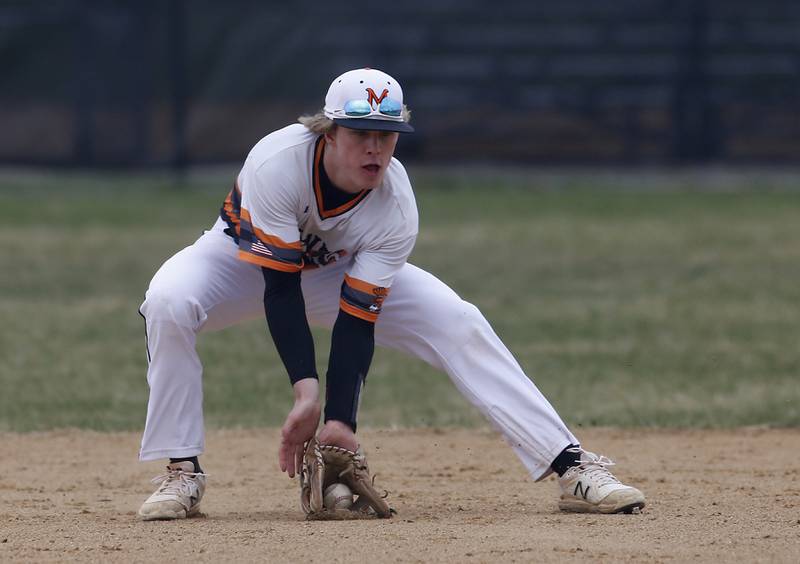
(356, 160)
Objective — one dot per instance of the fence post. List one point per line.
(696, 135)
(176, 16)
(83, 101)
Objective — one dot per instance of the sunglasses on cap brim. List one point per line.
(362, 108)
(357, 110)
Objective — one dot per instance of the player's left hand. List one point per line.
(337, 433)
(300, 425)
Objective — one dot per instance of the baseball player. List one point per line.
(317, 231)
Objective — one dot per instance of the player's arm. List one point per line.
(352, 346)
(285, 309)
(353, 341)
(283, 297)
(268, 237)
(286, 318)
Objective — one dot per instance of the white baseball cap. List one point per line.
(366, 99)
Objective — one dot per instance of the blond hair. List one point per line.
(320, 124)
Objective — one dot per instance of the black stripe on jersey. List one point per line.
(362, 300)
(146, 338)
(250, 243)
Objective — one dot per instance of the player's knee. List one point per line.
(464, 321)
(171, 305)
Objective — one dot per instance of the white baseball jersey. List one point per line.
(281, 222)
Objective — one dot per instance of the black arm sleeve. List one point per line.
(286, 318)
(352, 345)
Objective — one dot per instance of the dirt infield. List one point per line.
(461, 496)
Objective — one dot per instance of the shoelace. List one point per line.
(596, 467)
(178, 482)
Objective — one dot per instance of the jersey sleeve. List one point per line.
(269, 234)
(367, 284)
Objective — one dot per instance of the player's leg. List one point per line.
(203, 287)
(425, 318)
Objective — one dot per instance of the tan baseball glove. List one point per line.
(324, 465)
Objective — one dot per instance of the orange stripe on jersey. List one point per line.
(276, 241)
(269, 263)
(270, 239)
(227, 207)
(229, 212)
(357, 312)
(362, 299)
(366, 287)
(325, 214)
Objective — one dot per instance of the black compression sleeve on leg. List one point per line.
(352, 345)
(285, 309)
(566, 460)
(192, 459)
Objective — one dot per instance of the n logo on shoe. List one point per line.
(579, 488)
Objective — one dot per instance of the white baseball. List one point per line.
(337, 496)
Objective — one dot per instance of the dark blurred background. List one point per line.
(143, 83)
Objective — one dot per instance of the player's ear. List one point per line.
(330, 135)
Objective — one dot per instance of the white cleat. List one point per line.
(591, 488)
(178, 496)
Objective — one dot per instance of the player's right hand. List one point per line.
(300, 425)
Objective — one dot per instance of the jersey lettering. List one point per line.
(316, 252)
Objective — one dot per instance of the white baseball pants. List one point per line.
(205, 287)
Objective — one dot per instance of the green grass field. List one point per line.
(631, 299)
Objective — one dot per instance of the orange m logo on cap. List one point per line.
(375, 98)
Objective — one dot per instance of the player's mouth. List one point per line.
(371, 169)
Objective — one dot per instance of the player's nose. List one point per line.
(373, 142)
